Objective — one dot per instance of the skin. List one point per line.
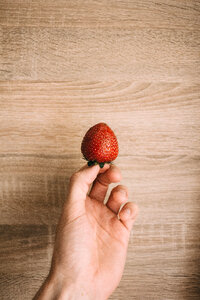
(92, 238)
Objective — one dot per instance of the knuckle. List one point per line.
(120, 189)
(75, 177)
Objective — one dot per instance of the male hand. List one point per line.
(91, 241)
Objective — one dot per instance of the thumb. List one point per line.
(127, 214)
(78, 188)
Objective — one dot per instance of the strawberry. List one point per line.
(99, 145)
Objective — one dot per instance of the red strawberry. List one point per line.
(99, 145)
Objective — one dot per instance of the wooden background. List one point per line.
(66, 65)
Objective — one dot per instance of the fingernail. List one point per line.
(127, 211)
(123, 192)
(134, 213)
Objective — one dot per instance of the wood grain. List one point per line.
(102, 53)
(149, 274)
(34, 189)
(149, 118)
(151, 270)
(157, 126)
(140, 14)
(27, 248)
(66, 65)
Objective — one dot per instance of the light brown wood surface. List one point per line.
(66, 65)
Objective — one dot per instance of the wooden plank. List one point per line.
(148, 118)
(134, 65)
(34, 189)
(25, 241)
(162, 263)
(25, 254)
(140, 14)
(116, 53)
(153, 250)
(34, 196)
(157, 125)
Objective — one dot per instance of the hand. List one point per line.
(91, 242)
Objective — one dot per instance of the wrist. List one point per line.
(55, 288)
